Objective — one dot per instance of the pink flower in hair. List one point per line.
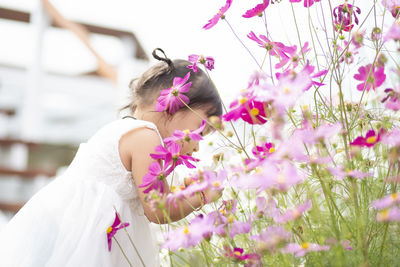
(208, 62)
(370, 77)
(257, 10)
(307, 3)
(173, 98)
(220, 15)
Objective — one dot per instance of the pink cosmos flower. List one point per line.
(340, 174)
(257, 10)
(187, 135)
(266, 208)
(294, 57)
(386, 201)
(208, 62)
(275, 48)
(172, 98)
(237, 254)
(112, 230)
(393, 6)
(392, 138)
(370, 139)
(271, 237)
(392, 98)
(187, 236)
(344, 17)
(172, 156)
(389, 215)
(394, 31)
(307, 3)
(303, 249)
(293, 214)
(322, 133)
(220, 15)
(264, 150)
(246, 108)
(370, 78)
(154, 179)
(348, 53)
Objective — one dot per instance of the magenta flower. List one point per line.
(393, 6)
(370, 139)
(264, 150)
(257, 10)
(294, 57)
(344, 17)
(389, 215)
(172, 98)
(187, 236)
(307, 3)
(386, 201)
(394, 31)
(112, 230)
(340, 174)
(187, 135)
(293, 214)
(220, 15)
(247, 109)
(172, 156)
(370, 77)
(237, 254)
(303, 249)
(154, 179)
(208, 62)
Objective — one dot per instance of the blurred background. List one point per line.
(65, 67)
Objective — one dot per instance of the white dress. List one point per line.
(65, 223)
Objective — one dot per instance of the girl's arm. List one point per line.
(137, 145)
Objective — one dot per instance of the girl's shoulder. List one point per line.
(138, 141)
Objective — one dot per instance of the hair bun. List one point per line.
(165, 58)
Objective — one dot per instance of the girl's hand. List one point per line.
(212, 195)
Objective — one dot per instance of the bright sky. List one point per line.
(175, 26)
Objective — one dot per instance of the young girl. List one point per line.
(67, 222)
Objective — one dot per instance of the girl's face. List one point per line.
(188, 120)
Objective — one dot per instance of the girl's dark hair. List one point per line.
(147, 87)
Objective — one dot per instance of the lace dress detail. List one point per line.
(65, 223)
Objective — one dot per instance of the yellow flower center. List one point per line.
(216, 184)
(186, 230)
(231, 218)
(305, 245)
(173, 189)
(109, 230)
(222, 211)
(242, 100)
(296, 213)
(187, 131)
(286, 90)
(394, 196)
(254, 111)
(237, 253)
(271, 150)
(258, 169)
(281, 179)
(371, 140)
(383, 215)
